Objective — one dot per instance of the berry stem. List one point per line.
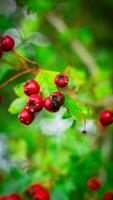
(23, 59)
(16, 76)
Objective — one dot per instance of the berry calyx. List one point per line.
(61, 80)
(94, 183)
(108, 195)
(31, 87)
(34, 103)
(7, 43)
(25, 116)
(106, 117)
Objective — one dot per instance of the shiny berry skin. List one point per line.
(106, 117)
(58, 98)
(50, 105)
(34, 103)
(31, 87)
(25, 116)
(61, 80)
(14, 196)
(108, 195)
(94, 183)
(7, 43)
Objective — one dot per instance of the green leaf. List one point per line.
(77, 110)
(17, 105)
(19, 90)
(46, 79)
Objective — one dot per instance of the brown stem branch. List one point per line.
(15, 77)
(25, 60)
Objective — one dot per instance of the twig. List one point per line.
(11, 63)
(15, 77)
(24, 59)
(77, 47)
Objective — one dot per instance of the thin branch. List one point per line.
(24, 59)
(15, 77)
(77, 47)
(11, 63)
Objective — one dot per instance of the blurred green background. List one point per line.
(77, 34)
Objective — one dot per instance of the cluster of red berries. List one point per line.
(6, 44)
(95, 184)
(106, 117)
(38, 192)
(12, 196)
(35, 102)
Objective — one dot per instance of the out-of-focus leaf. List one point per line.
(17, 105)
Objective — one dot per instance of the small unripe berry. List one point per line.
(34, 103)
(106, 117)
(25, 116)
(14, 196)
(108, 195)
(7, 43)
(94, 183)
(50, 105)
(61, 80)
(31, 87)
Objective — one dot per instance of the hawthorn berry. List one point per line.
(57, 98)
(31, 87)
(41, 194)
(108, 195)
(50, 105)
(26, 117)
(94, 183)
(61, 80)
(34, 103)
(7, 43)
(34, 188)
(106, 117)
(38, 192)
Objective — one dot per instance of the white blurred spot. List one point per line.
(8, 7)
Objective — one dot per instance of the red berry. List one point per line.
(34, 188)
(7, 43)
(38, 192)
(41, 194)
(50, 106)
(106, 117)
(31, 87)
(34, 103)
(94, 183)
(58, 98)
(14, 196)
(25, 116)
(108, 195)
(61, 80)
